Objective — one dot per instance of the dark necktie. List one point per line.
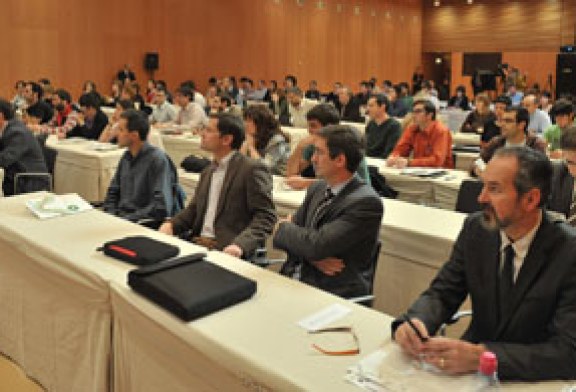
(328, 196)
(506, 279)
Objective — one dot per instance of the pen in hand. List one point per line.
(423, 339)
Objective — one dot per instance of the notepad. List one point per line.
(52, 206)
(324, 317)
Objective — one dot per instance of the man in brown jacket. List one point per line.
(232, 209)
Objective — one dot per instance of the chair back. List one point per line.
(467, 201)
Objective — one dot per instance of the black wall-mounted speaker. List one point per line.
(151, 61)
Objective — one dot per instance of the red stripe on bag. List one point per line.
(119, 249)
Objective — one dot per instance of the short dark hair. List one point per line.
(187, 92)
(136, 121)
(534, 170)
(522, 115)
(568, 138)
(461, 88)
(188, 83)
(428, 106)
(562, 107)
(44, 81)
(344, 139)
(90, 100)
(381, 99)
(229, 124)
(63, 95)
(126, 104)
(324, 113)
(225, 98)
(36, 88)
(6, 110)
(503, 99)
(293, 79)
(35, 111)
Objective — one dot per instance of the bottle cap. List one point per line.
(488, 363)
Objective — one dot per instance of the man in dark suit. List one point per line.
(332, 235)
(92, 121)
(232, 209)
(348, 106)
(19, 153)
(518, 265)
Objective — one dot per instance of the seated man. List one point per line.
(33, 94)
(163, 112)
(298, 107)
(492, 127)
(383, 131)
(299, 169)
(429, 142)
(518, 266)
(65, 119)
(513, 133)
(142, 187)
(539, 119)
(92, 121)
(191, 113)
(19, 153)
(348, 106)
(332, 235)
(562, 183)
(232, 208)
(563, 111)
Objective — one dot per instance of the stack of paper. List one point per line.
(51, 206)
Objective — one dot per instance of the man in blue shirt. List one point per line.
(142, 187)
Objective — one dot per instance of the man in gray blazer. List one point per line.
(19, 153)
(518, 265)
(331, 237)
(232, 209)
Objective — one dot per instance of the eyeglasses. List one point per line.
(332, 342)
(508, 120)
(418, 111)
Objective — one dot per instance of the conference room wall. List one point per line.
(70, 41)
(527, 33)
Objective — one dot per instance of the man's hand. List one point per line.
(233, 250)
(279, 221)
(408, 340)
(330, 265)
(298, 182)
(397, 162)
(166, 228)
(453, 356)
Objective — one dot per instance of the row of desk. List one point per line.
(71, 322)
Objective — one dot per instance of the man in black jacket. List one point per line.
(518, 265)
(93, 121)
(19, 153)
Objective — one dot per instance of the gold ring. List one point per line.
(442, 363)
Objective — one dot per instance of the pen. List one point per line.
(411, 324)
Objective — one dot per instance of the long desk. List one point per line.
(441, 192)
(81, 169)
(416, 241)
(70, 321)
(179, 147)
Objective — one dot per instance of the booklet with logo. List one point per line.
(51, 206)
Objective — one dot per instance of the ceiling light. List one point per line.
(436, 3)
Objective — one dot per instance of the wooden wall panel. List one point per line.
(70, 41)
(498, 25)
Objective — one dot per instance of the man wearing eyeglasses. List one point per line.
(331, 238)
(426, 143)
(513, 128)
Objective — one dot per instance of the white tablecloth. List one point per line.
(81, 169)
(465, 139)
(441, 192)
(179, 147)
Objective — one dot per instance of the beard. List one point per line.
(491, 221)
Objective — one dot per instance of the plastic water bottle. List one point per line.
(487, 377)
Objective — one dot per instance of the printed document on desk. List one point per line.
(52, 206)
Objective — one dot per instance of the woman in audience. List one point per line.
(150, 90)
(460, 100)
(90, 87)
(115, 94)
(110, 133)
(265, 139)
(479, 117)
